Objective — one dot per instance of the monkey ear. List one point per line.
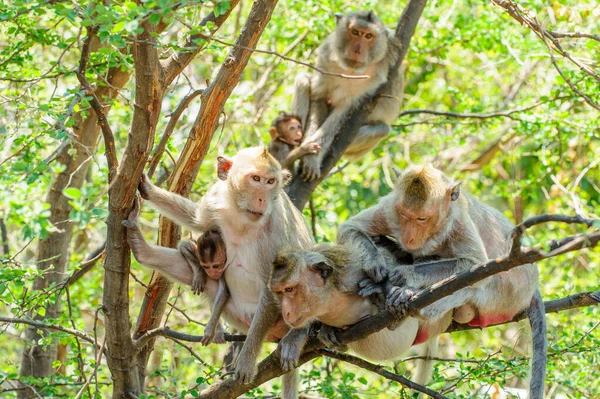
(223, 167)
(454, 190)
(323, 268)
(273, 132)
(338, 17)
(396, 171)
(286, 176)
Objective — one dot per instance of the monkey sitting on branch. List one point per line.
(255, 217)
(429, 216)
(322, 284)
(206, 256)
(364, 50)
(286, 141)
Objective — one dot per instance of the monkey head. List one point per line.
(212, 253)
(424, 199)
(287, 128)
(255, 180)
(304, 282)
(360, 40)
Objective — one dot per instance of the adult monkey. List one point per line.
(359, 45)
(321, 284)
(428, 216)
(255, 217)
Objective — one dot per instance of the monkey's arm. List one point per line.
(189, 250)
(266, 315)
(210, 332)
(357, 232)
(167, 261)
(177, 208)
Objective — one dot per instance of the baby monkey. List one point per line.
(286, 140)
(208, 257)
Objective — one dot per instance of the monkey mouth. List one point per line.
(254, 215)
(298, 142)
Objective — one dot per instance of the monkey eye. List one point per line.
(271, 181)
(369, 35)
(422, 219)
(289, 289)
(256, 178)
(354, 32)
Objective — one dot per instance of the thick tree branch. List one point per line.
(299, 190)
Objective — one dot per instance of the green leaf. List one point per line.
(72, 192)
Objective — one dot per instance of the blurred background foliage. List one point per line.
(513, 130)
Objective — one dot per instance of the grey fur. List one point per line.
(323, 101)
(472, 232)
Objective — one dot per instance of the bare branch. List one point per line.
(109, 137)
(34, 323)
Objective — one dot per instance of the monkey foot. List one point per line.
(328, 336)
(397, 300)
(131, 221)
(368, 287)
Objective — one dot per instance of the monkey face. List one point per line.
(362, 40)
(215, 267)
(291, 132)
(416, 226)
(300, 287)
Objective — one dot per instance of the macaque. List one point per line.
(429, 216)
(211, 258)
(255, 217)
(286, 141)
(321, 284)
(359, 45)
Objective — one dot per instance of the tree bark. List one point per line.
(53, 252)
(121, 354)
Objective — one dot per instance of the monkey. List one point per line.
(255, 217)
(207, 257)
(286, 140)
(211, 258)
(429, 216)
(321, 284)
(359, 45)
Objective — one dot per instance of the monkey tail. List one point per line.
(289, 385)
(537, 320)
(425, 367)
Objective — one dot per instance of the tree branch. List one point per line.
(375, 368)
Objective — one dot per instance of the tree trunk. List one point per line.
(54, 250)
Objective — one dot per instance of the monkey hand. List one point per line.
(310, 147)
(378, 272)
(219, 337)
(328, 337)
(145, 187)
(397, 278)
(311, 167)
(289, 349)
(397, 300)
(198, 282)
(245, 369)
(209, 334)
(368, 287)
(131, 221)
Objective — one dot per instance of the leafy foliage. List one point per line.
(521, 138)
